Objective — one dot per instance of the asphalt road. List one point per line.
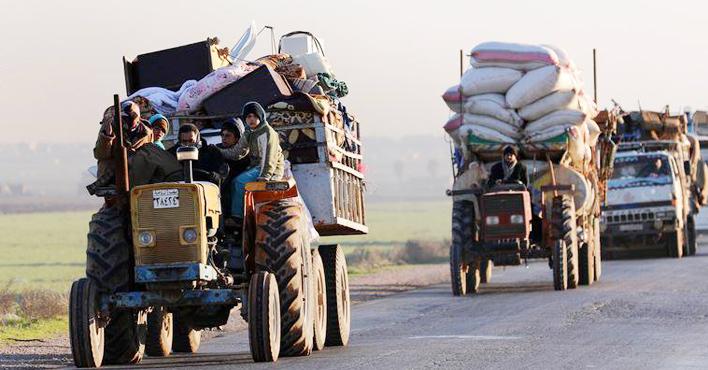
(642, 314)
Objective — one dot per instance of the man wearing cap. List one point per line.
(211, 165)
(263, 144)
(509, 170)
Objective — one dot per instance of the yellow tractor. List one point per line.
(161, 267)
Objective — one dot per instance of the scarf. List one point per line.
(508, 169)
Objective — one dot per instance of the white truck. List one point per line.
(647, 207)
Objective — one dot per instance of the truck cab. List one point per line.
(645, 203)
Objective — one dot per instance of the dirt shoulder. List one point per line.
(55, 352)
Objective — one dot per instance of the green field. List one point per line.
(47, 250)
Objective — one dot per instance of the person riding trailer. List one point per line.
(263, 144)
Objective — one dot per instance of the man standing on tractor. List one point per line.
(263, 144)
(509, 170)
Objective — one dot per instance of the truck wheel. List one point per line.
(474, 277)
(674, 244)
(109, 267)
(159, 333)
(338, 302)
(560, 265)
(282, 247)
(462, 235)
(185, 338)
(264, 317)
(320, 291)
(85, 329)
(692, 242)
(587, 264)
(564, 227)
(485, 269)
(598, 249)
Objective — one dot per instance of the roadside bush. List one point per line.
(421, 251)
(7, 301)
(42, 304)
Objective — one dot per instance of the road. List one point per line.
(643, 314)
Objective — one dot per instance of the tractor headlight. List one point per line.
(189, 235)
(492, 220)
(146, 238)
(516, 219)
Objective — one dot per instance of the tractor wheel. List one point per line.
(320, 291)
(85, 329)
(462, 235)
(587, 264)
(474, 277)
(109, 267)
(564, 228)
(282, 246)
(338, 302)
(598, 249)
(185, 338)
(560, 265)
(674, 244)
(691, 241)
(485, 269)
(264, 317)
(159, 333)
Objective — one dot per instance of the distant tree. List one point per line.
(398, 169)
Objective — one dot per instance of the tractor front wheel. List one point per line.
(160, 333)
(338, 301)
(264, 317)
(85, 327)
(320, 291)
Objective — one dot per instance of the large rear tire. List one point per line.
(282, 246)
(338, 300)
(564, 228)
(109, 266)
(264, 317)
(85, 330)
(159, 333)
(320, 292)
(185, 338)
(691, 239)
(560, 265)
(462, 236)
(587, 264)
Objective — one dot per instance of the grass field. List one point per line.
(47, 250)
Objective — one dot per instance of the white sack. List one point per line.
(493, 124)
(537, 84)
(477, 81)
(483, 133)
(510, 55)
(593, 132)
(493, 105)
(557, 118)
(576, 146)
(454, 99)
(558, 100)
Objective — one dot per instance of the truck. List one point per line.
(163, 263)
(657, 189)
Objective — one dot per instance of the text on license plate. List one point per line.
(631, 227)
(165, 198)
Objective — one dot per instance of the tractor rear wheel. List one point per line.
(587, 264)
(564, 228)
(85, 329)
(560, 265)
(462, 236)
(320, 292)
(691, 241)
(185, 338)
(282, 246)
(264, 317)
(109, 267)
(159, 333)
(338, 301)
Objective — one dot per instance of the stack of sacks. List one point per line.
(526, 94)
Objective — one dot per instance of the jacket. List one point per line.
(517, 174)
(263, 144)
(210, 166)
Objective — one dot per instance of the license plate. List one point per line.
(632, 227)
(165, 198)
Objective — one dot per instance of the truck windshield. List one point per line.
(640, 171)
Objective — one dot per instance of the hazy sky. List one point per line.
(60, 61)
